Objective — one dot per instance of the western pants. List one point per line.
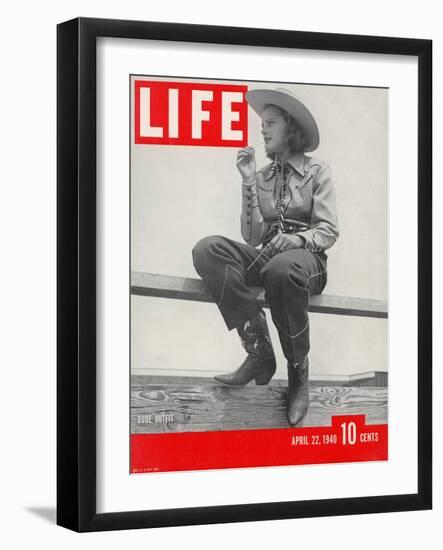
(229, 268)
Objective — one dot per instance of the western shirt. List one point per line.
(310, 200)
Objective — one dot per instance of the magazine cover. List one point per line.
(259, 258)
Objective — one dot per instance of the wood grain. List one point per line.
(203, 405)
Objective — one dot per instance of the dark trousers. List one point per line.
(229, 268)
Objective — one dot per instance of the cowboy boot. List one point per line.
(298, 391)
(260, 362)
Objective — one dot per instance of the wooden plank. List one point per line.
(190, 376)
(204, 405)
(181, 288)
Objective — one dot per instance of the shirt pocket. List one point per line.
(301, 193)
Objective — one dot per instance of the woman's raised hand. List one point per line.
(246, 163)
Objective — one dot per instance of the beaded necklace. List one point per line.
(279, 168)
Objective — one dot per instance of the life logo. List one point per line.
(190, 113)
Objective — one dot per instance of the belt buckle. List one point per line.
(289, 228)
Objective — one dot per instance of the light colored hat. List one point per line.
(288, 101)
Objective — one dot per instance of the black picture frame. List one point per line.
(76, 273)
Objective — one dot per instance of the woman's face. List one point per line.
(274, 130)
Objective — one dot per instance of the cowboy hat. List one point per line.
(286, 99)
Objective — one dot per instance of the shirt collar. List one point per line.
(297, 161)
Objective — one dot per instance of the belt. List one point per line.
(289, 226)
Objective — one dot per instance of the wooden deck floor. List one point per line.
(186, 404)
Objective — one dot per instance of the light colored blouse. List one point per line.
(310, 201)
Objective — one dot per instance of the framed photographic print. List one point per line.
(244, 274)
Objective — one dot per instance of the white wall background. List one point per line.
(27, 472)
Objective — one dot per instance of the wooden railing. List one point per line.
(182, 288)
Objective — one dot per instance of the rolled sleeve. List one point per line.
(324, 223)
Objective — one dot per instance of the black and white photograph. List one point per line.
(258, 260)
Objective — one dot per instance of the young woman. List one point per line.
(289, 209)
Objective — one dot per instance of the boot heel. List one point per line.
(263, 378)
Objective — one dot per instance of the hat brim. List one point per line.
(258, 99)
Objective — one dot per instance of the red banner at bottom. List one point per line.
(348, 439)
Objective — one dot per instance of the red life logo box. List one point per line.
(190, 113)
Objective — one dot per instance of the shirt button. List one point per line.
(248, 222)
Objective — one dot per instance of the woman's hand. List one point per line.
(246, 164)
(284, 241)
